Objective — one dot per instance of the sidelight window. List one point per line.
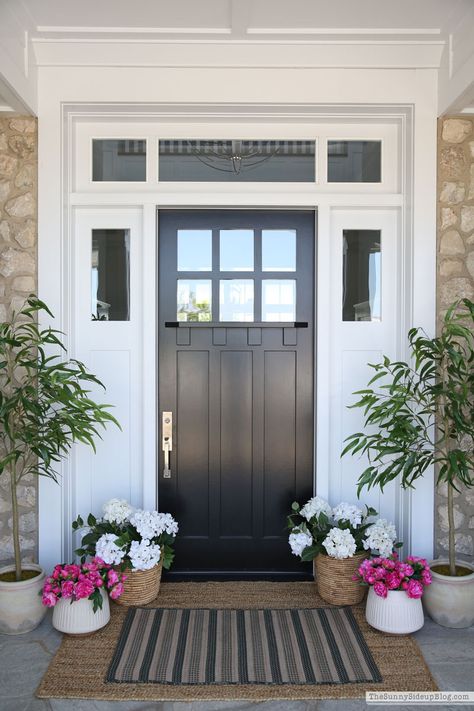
(110, 277)
(361, 278)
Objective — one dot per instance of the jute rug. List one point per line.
(169, 646)
(80, 666)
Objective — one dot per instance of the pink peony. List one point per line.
(112, 578)
(84, 588)
(426, 577)
(380, 573)
(116, 591)
(67, 588)
(49, 599)
(380, 589)
(415, 589)
(389, 564)
(73, 570)
(404, 584)
(392, 581)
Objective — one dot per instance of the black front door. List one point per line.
(236, 366)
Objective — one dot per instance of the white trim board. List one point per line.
(55, 226)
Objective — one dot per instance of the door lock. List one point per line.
(167, 441)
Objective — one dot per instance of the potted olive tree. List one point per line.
(44, 408)
(421, 415)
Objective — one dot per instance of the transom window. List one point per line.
(237, 161)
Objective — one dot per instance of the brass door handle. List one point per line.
(167, 441)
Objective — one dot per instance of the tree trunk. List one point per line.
(451, 537)
(15, 526)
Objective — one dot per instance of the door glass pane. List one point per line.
(114, 159)
(361, 285)
(278, 250)
(110, 278)
(278, 300)
(354, 161)
(194, 250)
(237, 161)
(194, 300)
(236, 250)
(236, 300)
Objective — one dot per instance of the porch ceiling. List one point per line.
(232, 19)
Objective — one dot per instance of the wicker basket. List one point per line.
(140, 586)
(333, 579)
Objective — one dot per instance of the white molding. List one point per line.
(241, 52)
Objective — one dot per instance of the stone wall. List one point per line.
(455, 279)
(18, 228)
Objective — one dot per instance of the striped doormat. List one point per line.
(281, 646)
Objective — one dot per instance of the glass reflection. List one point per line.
(278, 250)
(278, 300)
(361, 290)
(118, 160)
(236, 300)
(354, 161)
(194, 250)
(236, 250)
(110, 276)
(194, 300)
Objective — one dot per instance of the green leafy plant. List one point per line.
(44, 404)
(423, 414)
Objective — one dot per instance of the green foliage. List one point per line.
(45, 403)
(422, 414)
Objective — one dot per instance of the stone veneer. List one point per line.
(18, 228)
(455, 281)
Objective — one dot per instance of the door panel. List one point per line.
(241, 392)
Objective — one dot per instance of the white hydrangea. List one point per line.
(348, 512)
(340, 543)
(151, 523)
(144, 555)
(299, 539)
(380, 536)
(117, 511)
(106, 549)
(314, 507)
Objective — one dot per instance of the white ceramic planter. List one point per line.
(450, 601)
(21, 609)
(396, 614)
(78, 617)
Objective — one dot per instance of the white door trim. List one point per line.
(414, 200)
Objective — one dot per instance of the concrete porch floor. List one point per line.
(24, 659)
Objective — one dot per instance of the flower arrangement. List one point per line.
(76, 582)
(338, 532)
(128, 537)
(385, 574)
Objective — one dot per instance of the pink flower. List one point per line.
(67, 588)
(404, 584)
(426, 577)
(49, 599)
(57, 572)
(99, 562)
(116, 591)
(380, 573)
(392, 581)
(415, 589)
(73, 570)
(389, 564)
(370, 579)
(84, 588)
(380, 589)
(113, 578)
